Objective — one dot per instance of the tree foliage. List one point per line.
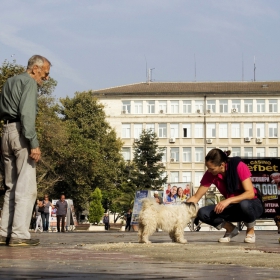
(147, 159)
(96, 210)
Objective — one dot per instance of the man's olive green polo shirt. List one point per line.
(18, 99)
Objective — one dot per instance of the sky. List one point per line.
(97, 44)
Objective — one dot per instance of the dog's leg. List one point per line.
(140, 232)
(172, 235)
(144, 233)
(179, 234)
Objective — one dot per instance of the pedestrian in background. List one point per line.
(20, 150)
(61, 206)
(128, 217)
(106, 221)
(46, 214)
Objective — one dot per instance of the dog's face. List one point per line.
(192, 208)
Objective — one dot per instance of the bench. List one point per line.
(82, 227)
(115, 226)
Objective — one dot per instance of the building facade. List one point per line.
(192, 118)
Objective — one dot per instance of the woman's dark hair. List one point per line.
(171, 189)
(217, 156)
(178, 190)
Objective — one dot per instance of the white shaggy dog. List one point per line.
(170, 218)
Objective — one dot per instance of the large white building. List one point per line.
(192, 118)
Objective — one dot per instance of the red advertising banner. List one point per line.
(266, 177)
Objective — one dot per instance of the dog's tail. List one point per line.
(148, 203)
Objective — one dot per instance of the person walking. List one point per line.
(128, 217)
(61, 206)
(106, 221)
(46, 213)
(232, 178)
(39, 208)
(20, 150)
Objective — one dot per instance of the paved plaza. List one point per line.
(118, 255)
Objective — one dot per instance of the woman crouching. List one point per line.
(232, 178)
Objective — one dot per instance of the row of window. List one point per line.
(196, 130)
(185, 176)
(198, 106)
(197, 154)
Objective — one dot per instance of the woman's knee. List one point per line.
(204, 212)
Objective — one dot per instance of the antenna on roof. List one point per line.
(150, 79)
(194, 68)
(146, 70)
(242, 68)
(255, 68)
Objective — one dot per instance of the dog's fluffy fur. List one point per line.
(170, 218)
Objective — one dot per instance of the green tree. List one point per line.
(147, 159)
(96, 210)
(91, 154)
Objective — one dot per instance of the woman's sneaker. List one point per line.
(228, 235)
(17, 242)
(250, 238)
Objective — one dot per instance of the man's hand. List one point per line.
(35, 154)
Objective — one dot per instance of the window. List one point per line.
(150, 126)
(223, 130)
(248, 152)
(126, 153)
(187, 154)
(162, 130)
(260, 152)
(199, 155)
(198, 106)
(198, 130)
(162, 105)
(236, 152)
(211, 106)
(138, 130)
(236, 104)
(150, 107)
(187, 107)
(174, 154)
(186, 176)
(273, 130)
(186, 130)
(260, 127)
(235, 130)
(138, 107)
(273, 106)
(273, 152)
(174, 130)
(197, 177)
(163, 159)
(223, 106)
(210, 130)
(126, 107)
(174, 177)
(260, 106)
(174, 107)
(248, 106)
(126, 130)
(248, 130)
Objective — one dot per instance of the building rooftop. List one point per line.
(145, 88)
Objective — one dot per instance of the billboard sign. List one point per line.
(266, 177)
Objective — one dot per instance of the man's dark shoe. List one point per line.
(3, 241)
(17, 242)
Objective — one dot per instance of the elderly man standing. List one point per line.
(61, 206)
(20, 150)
